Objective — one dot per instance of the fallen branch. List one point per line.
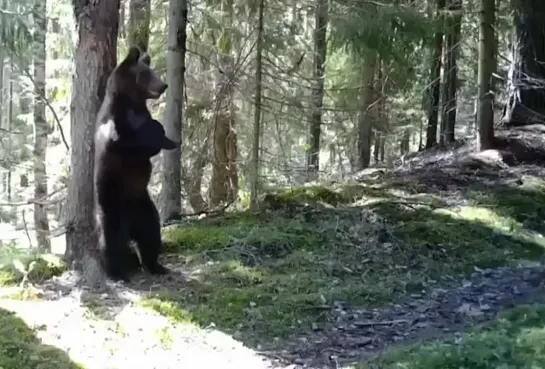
(178, 219)
(383, 322)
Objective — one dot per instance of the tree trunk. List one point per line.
(434, 86)
(365, 123)
(224, 181)
(193, 179)
(320, 52)
(405, 146)
(257, 112)
(41, 127)
(95, 59)
(139, 23)
(526, 102)
(172, 165)
(453, 24)
(379, 122)
(9, 125)
(486, 68)
(2, 65)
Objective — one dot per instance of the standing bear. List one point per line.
(126, 138)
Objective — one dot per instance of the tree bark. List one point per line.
(365, 123)
(172, 166)
(95, 59)
(526, 89)
(434, 87)
(453, 24)
(8, 125)
(486, 68)
(257, 111)
(41, 128)
(139, 23)
(224, 181)
(320, 52)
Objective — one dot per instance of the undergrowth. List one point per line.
(268, 276)
(19, 265)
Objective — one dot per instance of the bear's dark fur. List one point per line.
(125, 140)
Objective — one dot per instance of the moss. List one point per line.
(20, 349)
(515, 340)
(40, 267)
(271, 276)
(271, 237)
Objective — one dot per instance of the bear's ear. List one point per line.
(145, 58)
(132, 56)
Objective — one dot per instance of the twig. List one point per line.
(39, 201)
(202, 212)
(383, 322)
(46, 101)
(26, 230)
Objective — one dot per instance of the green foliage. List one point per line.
(15, 31)
(21, 349)
(515, 340)
(18, 266)
(392, 31)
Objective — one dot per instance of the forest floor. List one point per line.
(435, 264)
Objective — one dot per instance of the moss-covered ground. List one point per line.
(266, 277)
(515, 340)
(21, 349)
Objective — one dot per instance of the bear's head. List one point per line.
(134, 79)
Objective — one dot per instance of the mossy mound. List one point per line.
(20, 349)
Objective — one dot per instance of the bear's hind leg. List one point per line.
(114, 243)
(145, 230)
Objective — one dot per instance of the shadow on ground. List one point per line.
(315, 253)
(269, 279)
(21, 349)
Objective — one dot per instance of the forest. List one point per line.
(358, 184)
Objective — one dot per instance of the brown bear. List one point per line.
(126, 138)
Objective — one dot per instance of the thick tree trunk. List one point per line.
(95, 59)
(257, 111)
(453, 24)
(139, 23)
(365, 123)
(172, 165)
(486, 68)
(41, 128)
(434, 87)
(224, 182)
(320, 52)
(526, 103)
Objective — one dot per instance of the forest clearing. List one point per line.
(325, 184)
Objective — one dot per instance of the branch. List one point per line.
(48, 104)
(177, 220)
(41, 201)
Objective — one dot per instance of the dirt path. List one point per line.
(356, 334)
(129, 336)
